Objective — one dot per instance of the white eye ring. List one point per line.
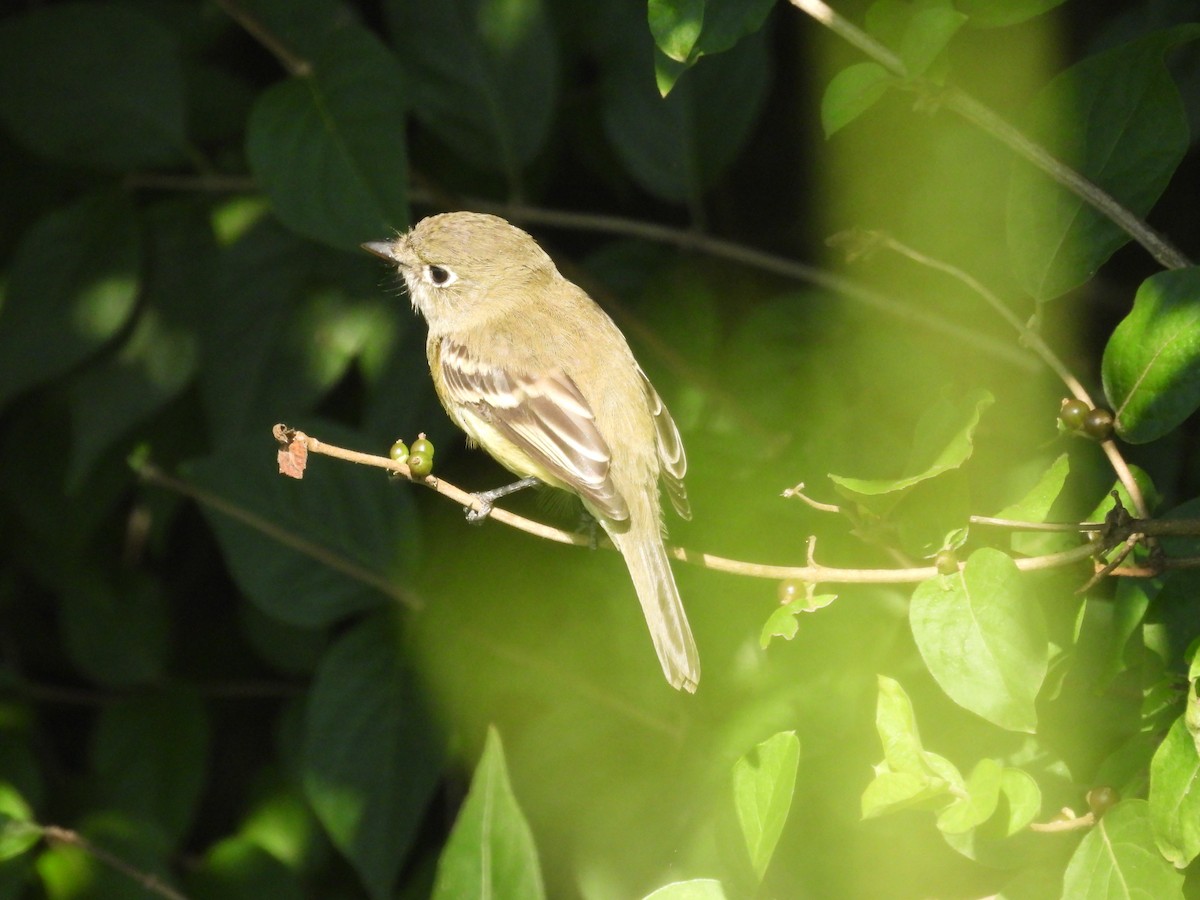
(439, 276)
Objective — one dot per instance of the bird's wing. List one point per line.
(544, 416)
(673, 462)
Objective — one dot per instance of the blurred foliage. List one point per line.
(227, 684)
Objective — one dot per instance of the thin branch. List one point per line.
(294, 63)
(57, 835)
(991, 122)
(812, 572)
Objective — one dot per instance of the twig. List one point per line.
(295, 64)
(809, 573)
(991, 122)
(57, 835)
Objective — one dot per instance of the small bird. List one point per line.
(535, 372)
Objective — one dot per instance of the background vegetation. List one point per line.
(218, 682)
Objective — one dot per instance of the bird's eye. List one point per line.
(440, 276)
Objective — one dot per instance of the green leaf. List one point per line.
(18, 830)
(764, 782)
(149, 754)
(159, 355)
(997, 13)
(983, 637)
(676, 147)
(1151, 365)
(329, 147)
(1024, 799)
(917, 31)
(115, 634)
(72, 287)
(1175, 796)
(909, 774)
(236, 868)
(68, 872)
(1117, 118)
(318, 549)
(484, 76)
(1118, 859)
(696, 889)
(979, 804)
(676, 26)
(782, 622)
(851, 93)
(944, 440)
(490, 852)
(93, 84)
(370, 759)
(1035, 506)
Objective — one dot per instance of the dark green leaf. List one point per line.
(484, 76)
(1175, 796)
(150, 755)
(69, 872)
(677, 146)
(983, 637)
(116, 635)
(329, 147)
(1152, 362)
(237, 868)
(158, 357)
(851, 93)
(1118, 859)
(72, 286)
(1117, 118)
(490, 853)
(764, 782)
(93, 84)
(370, 758)
(357, 532)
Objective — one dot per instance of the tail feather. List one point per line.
(655, 585)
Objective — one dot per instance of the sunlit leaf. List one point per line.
(980, 801)
(1118, 859)
(997, 13)
(983, 637)
(851, 93)
(490, 853)
(1152, 362)
(18, 831)
(763, 785)
(696, 889)
(1175, 795)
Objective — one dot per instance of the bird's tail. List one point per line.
(655, 585)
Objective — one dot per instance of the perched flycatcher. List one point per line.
(538, 375)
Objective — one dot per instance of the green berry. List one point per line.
(1099, 424)
(790, 590)
(946, 562)
(419, 464)
(422, 447)
(399, 452)
(1072, 413)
